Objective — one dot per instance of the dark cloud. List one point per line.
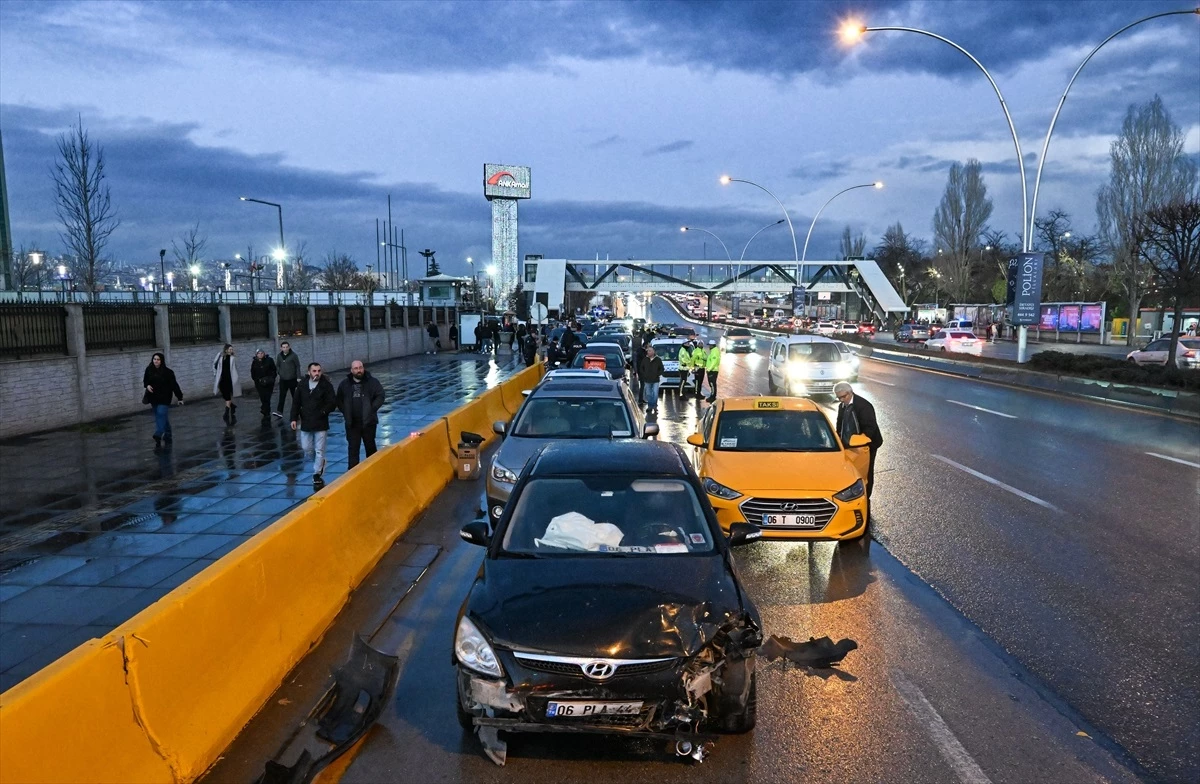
(675, 146)
(605, 142)
(922, 163)
(820, 170)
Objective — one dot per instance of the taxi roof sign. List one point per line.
(767, 404)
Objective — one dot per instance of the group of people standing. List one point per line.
(698, 362)
(358, 397)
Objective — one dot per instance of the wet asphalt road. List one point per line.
(1045, 595)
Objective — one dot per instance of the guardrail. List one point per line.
(159, 698)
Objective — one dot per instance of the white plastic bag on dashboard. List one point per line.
(573, 531)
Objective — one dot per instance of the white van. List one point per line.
(806, 365)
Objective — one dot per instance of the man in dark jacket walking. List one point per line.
(857, 416)
(262, 370)
(287, 365)
(432, 329)
(650, 372)
(312, 404)
(359, 397)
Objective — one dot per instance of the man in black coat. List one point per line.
(262, 370)
(360, 396)
(312, 404)
(857, 416)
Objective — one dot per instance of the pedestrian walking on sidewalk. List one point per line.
(495, 337)
(312, 404)
(479, 336)
(160, 385)
(712, 366)
(650, 372)
(287, 365)
(454, 336)
(857, 416)
(359, 397)
(263, 372)
(993, 330)
(225, 382)
(435, 336)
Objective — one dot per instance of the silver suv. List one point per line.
(806, 365)
(566, 407)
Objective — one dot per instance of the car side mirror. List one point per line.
(695, 439)
(526, 392)
(858, 440)
(500, 428)
(476, 533)
(649, 430)
(743, 533)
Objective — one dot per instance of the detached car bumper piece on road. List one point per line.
(607, 603)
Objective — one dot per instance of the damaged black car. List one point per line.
(607, 602)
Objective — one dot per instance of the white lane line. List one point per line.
(980, 408)
(1174, 459)
(967, 770)
(998, 483)
(876, 381)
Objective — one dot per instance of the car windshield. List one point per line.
(572, 417)
(774, 431)
(962, 335)
(607, 516)
(667, 352)
(612, 358)
(738, 333)
(814, 352)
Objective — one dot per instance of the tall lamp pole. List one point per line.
(726, 179)
(282, 245)
(804, 253)
(1037, 181)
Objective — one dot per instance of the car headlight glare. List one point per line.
(473, 651)
(852, 492)
(797, 371)
(502, 474)
(713, 487)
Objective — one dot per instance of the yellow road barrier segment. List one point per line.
(158, 699)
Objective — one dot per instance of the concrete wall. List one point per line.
(52, 392)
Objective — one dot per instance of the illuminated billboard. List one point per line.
(501, 181)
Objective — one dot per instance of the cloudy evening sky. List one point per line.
(628, 114)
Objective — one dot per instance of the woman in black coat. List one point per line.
(160, 385)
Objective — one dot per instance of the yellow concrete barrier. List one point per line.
(474, 418)
(157, 699)
(511, 390)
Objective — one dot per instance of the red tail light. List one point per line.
(1189, 353)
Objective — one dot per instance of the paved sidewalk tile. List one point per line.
(96, 523)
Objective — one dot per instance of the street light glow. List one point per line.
(726, 179)
(852, 31)
(491, 270)
(243, 198)
(878, 185)
(683, 228)
(279, 254)
(195, 269)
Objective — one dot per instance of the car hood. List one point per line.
(634, 607)
(823, 473)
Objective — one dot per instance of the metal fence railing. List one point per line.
(414, 315)
(327, 319)
(378, 318)
(118, 326)
(397, 316)
(194, 324)
(354, 320)
(293, 320)
(249, 322)
(26, 330)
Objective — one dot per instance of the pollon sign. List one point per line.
(501, 181)
(1027, 298)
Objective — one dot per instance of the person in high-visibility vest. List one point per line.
(685, 368)
(699, 359)
(712, 365)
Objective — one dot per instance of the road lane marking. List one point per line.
(980, 408)
(877, 381)
(998, 483)
(1174, 459)
(963, 765)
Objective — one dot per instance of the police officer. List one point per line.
(712, 366)
(699, 360)
(685, 367)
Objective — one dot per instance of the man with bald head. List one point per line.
(359, 398)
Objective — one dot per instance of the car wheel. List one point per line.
(742, 718)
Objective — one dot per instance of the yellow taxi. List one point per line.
(777, 462)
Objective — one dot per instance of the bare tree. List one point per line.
(958, 222)
(852, 246)
(339, 272)
(24, 271)
(189, 250)
(1168, 238)
(899, 255)
(84, 205)
(1149, 169)
(302, 277)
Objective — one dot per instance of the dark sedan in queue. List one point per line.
(607, 602)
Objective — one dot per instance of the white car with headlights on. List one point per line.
(956, 341)
(806, 365)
